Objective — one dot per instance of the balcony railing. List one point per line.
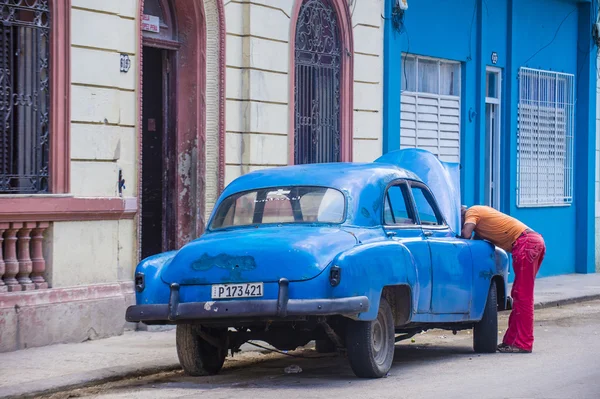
(22, 263)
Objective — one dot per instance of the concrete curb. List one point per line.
(110, 374)
(85, 380)
(566, 301)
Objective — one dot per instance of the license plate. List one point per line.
(245, 290)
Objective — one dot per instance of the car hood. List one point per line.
(442, 178)
(257, 254)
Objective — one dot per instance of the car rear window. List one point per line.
(281, 205)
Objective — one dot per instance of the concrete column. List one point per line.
(3, 227)
(10, 258)
(25, 264)
(37, 256)
(392, 73)
(585, 143)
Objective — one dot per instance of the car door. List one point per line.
(451, 260)
(401, 224)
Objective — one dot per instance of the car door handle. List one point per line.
(427, 233)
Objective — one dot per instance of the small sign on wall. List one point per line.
(150, 23)
(125, 63)
(494, 58)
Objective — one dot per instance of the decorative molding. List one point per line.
(140, 127)
(161, 43)
(222, 75)
(65, 208)
(60, 93)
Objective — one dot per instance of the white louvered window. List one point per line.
(430, 108)
(546, 120)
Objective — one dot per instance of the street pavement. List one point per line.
(58, 368)
(564, 365)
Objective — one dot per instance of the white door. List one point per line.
(492, 136)
(430, 108)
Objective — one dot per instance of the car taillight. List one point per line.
(335, 275)
(140, 283)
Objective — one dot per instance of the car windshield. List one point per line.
(281, 205)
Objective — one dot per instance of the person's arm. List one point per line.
(467, 230)
(470, 221)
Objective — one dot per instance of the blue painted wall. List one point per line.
(543, 34)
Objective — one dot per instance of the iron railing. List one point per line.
(24, 96)
(318, 58)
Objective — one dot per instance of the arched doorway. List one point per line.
(159, 105)
(174, 136)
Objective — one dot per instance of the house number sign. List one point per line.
(494, 58)
(125, 63)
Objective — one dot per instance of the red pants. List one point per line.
(528, 253)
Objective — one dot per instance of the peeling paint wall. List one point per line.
(257, 91)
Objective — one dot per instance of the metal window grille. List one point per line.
(318, 59)
(430, 108)
(546, 120)
(24, 95)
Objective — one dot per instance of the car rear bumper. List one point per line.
(280, 307)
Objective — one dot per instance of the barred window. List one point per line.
(24, 96)
(317, 92)
(546, 120)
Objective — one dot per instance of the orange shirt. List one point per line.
(496, 227)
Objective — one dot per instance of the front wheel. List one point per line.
(370, 344)
(196, 355)
(485, 332)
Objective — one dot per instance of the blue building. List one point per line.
(507, 88)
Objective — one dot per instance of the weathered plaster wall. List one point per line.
(257, 91)
(103, 140)
(103, 114)
(85, 253)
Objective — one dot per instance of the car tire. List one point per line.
(485, 332)
(370, 344)
(324, 346)
(196, 356)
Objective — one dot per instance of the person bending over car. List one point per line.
(528, 250)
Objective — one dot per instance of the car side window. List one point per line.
(396, 212)
(426, 207)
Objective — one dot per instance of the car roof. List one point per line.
(362, 183)
(343, 176)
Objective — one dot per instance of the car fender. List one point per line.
(366, 269)
(155, 290)
(489, 264)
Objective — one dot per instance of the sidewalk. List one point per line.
(59, 367)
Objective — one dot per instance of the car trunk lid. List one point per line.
(257, 254)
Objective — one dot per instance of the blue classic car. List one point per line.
(354, 256)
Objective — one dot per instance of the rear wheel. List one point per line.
(485, 332)
(370, 344)
(196, 355)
